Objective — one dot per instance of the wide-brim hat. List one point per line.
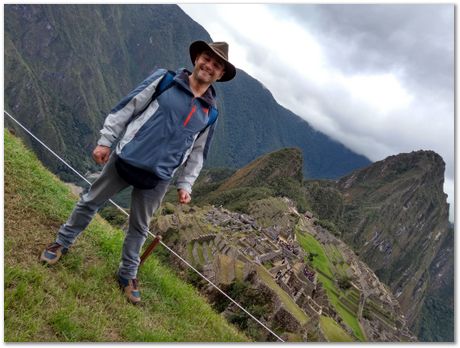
(220, 49)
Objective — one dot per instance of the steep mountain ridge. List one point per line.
(396, 217)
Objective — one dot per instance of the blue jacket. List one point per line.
(172, 130)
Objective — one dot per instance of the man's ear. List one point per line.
(223, 72)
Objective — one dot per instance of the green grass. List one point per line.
(77, 300)
(347, 317)
(321, 263)
(350, 296)
(332, 331)
(338, 265)
(287, 301)
(190, 253)
(200, 253)
(379, 312)
(239, 270)
(311, 245)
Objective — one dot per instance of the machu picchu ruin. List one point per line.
(318, 287)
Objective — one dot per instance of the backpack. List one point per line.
(141, 178)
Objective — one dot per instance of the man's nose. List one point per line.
(209, 65)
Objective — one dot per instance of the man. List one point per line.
(156, 134)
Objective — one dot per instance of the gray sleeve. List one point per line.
(194, 163)
(133, 103)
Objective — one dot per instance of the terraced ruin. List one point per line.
(319, 288)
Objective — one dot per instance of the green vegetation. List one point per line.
(344, 282)
(311, 245)
(332, 331)
(78, 299)
(323, 265)
(114, 216)
(348, 317)
(199, 248)
(268, 210)
(190, 253)
(325, 200)
(276, 174)
(239, 270)
(237, 199)
(257, 301)
(441, 330)
(329, 225)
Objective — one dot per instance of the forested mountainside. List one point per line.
(66, 66)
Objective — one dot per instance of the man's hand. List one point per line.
(101, 154)
(183, 196)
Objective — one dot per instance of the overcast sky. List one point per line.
(377, 78)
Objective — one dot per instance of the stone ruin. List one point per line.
(239, 241)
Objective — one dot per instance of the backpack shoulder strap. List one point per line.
(165, 83)
(212, 115)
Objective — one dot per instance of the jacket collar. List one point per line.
(182, 79)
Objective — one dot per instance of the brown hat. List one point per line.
(219, 48)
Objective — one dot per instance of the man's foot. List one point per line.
(130, 288)
(53, 253)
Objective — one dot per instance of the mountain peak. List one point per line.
(421, 164)
(281, 164)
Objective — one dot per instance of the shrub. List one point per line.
(344, 282)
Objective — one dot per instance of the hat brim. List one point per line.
(199, 46)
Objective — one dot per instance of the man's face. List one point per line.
(208, 67)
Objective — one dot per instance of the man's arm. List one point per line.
(193, 165)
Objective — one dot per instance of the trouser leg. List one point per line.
(144, 203)
(105, 186)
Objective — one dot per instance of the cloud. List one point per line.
(384, 37)
(378, 78)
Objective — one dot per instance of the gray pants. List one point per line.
(143, 204)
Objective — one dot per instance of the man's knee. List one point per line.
(139, 229)
(87, 204)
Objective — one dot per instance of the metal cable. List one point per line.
(153, 235)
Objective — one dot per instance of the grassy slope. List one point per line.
(321, 262)
(77, 300)
(333, 331)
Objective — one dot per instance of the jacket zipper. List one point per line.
(190, 115)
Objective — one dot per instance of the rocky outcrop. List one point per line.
(396, 216)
